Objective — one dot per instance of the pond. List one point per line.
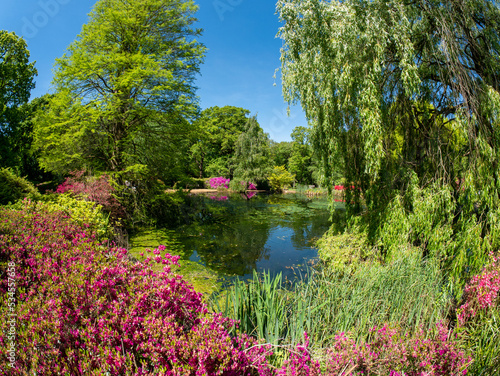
(275, 233)
(232, 234)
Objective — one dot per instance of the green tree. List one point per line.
(404, 98)
(16, 82)
(27, 158)
(217, 130)
(300, 160)
(126, 84)
(252, 155)
(280, 152)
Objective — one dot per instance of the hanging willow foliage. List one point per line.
(404, 99)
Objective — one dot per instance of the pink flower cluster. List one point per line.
(300, 362)
(341, 187)
(391, 352)
(98, 190)
(84, 308)
(215, 183)
(481, 292)
(250, 186)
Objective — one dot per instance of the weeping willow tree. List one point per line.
(404, 98)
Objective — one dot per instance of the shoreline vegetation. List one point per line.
(402, 101)
(346, 318)
(376, 316)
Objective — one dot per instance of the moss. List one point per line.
(203, 279)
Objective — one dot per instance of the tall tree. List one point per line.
(128, 75)
(280, 152)
(16, 81)
(405, 97)
(252, 156)
(217, 130)
(301, 157)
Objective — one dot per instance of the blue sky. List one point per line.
(243, 52)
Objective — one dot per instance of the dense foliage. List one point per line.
(83, 307)
(127, 79)
(251, 157)
(213, 147)
(404, 100)
(14, 188)
(17, 79)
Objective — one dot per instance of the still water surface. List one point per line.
(233, 235)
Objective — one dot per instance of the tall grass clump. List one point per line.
(407, 293)
(372, 319)
(260, 306)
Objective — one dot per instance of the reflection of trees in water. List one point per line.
(297, 214)
(229, 239)
(235, 248)
(230, 236)
(307, 228)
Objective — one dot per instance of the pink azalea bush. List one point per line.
(95, 189)
(219, 182)
(300, 362)
(482, 292)
(390, 352)
(248, 185)
(84, 308)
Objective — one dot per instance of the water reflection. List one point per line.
(238, 233)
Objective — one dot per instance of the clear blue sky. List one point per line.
(243, 52)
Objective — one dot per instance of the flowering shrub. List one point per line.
(481, 292)
(391, 353)
(95, 189)
(218, 182)
(83, 308)
(339, 187)
(300, 362)
(248, 185)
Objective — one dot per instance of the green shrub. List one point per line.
(236, 185)
(189, 183)
(347, 249)
(14, 188)
(280, 179)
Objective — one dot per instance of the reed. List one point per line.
(406, 293)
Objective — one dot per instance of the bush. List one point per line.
(390, 352)
(479, 319)
(84, 213)
(280, 179)
(189, 183)
(83, 308)
(340, 250)
(98, 189)
(219, 182)
(13, 187)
